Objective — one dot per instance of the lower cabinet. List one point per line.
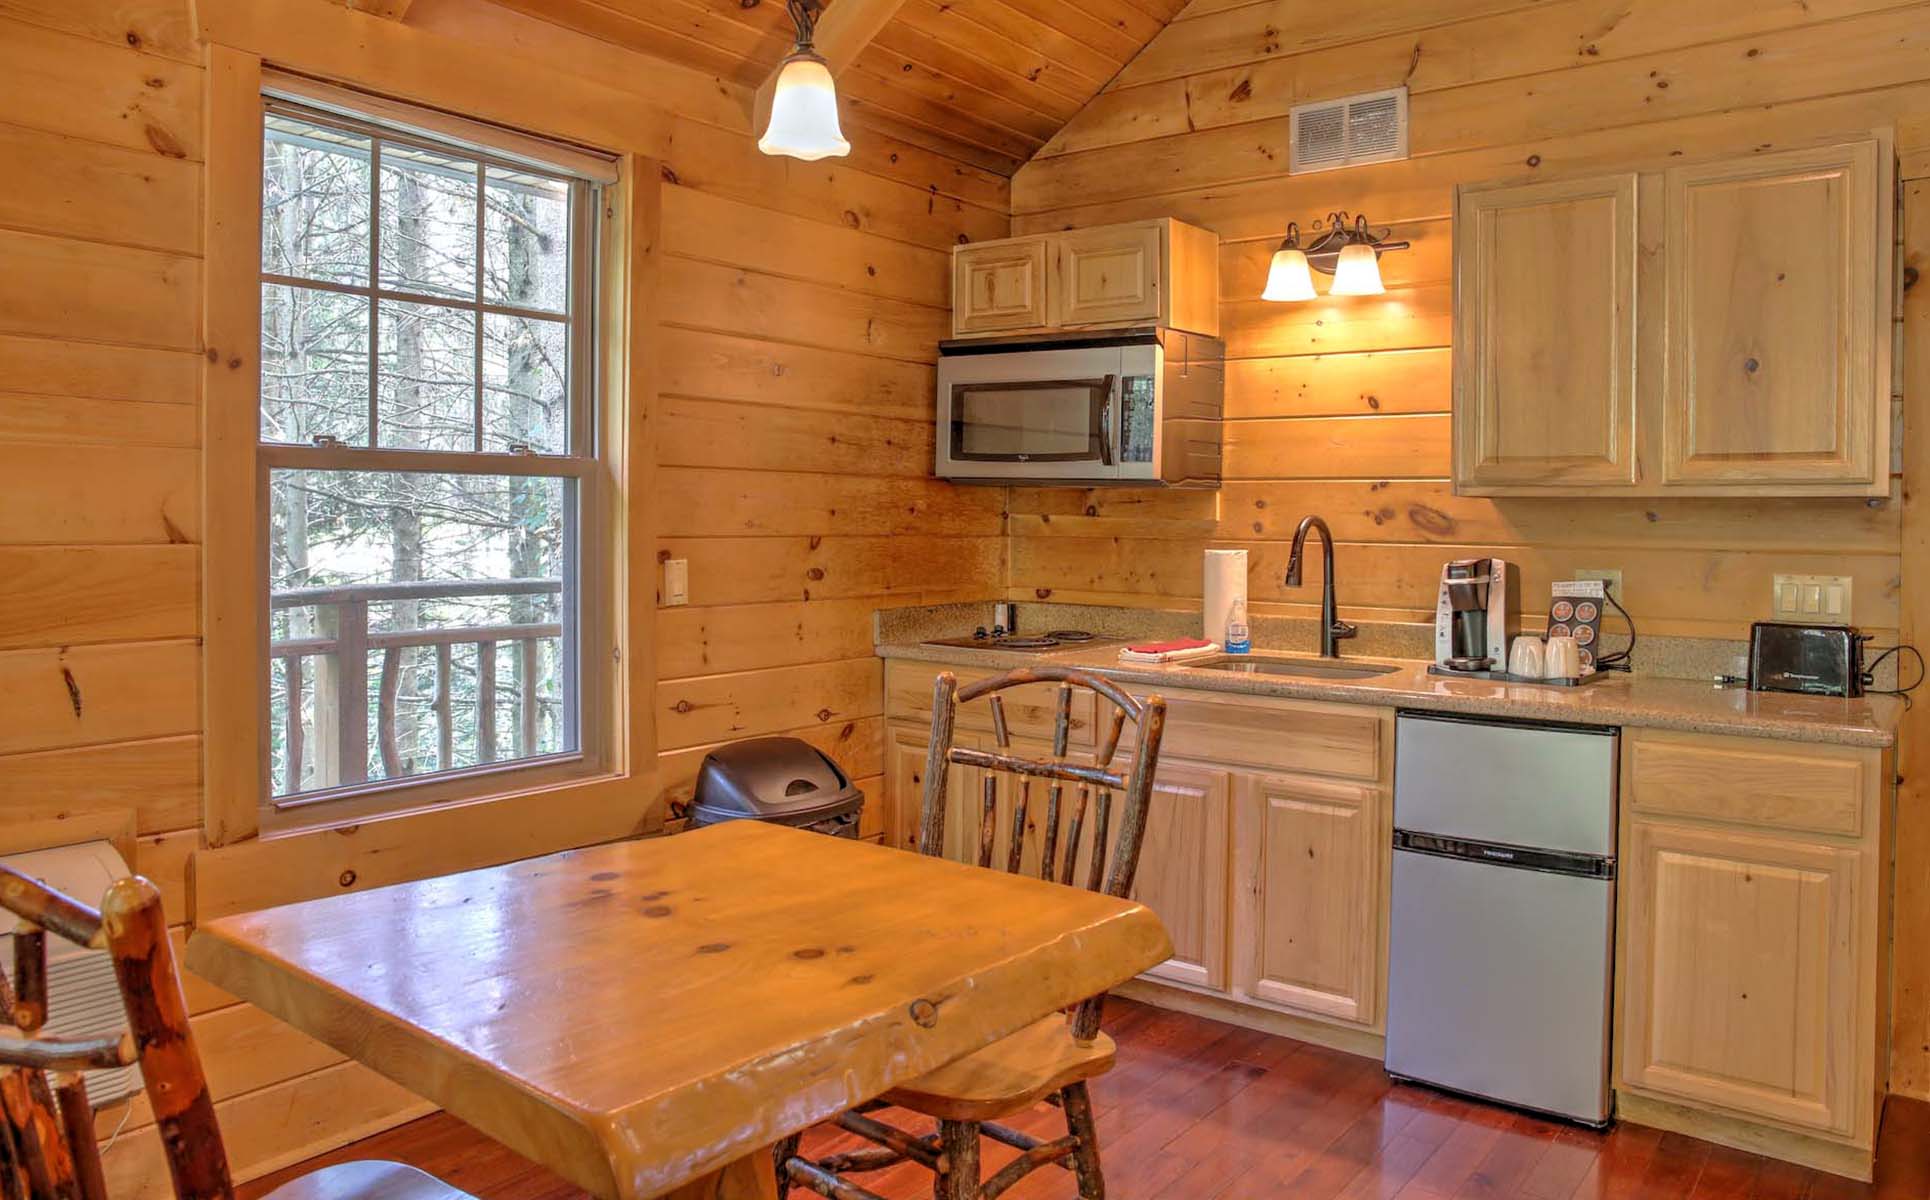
(1182, 870)
(1742, 979)
(1309, 895)
(1754, 936)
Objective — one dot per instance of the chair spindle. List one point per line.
(988, 820)
(1101, 818)
(29, 978)
(77, 1123)
(36, 1132)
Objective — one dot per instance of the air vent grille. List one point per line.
(1368, 128)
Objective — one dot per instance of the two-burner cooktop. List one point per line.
(1037, 643)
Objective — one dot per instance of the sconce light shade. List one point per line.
(804, 112)
(1357, 273)
(1289, 278)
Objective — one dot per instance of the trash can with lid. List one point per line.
(780, 779)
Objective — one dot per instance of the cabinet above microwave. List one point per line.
(1161, 272)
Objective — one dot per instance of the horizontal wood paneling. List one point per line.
(89, 695)
(64, 185)
(729, 300)
(1340, 406)
(54, 287)
(159, 780)
(72, 595)
(54, 493)
(728, 503)
(725, 366)
(711, 433)
(912, 570)
(88, 89)
(53, 366)
(716, 708)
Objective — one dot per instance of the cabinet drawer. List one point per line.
(1335, 740)
(1816, 789)
(1029, 709)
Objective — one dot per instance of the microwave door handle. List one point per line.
(1106, 407)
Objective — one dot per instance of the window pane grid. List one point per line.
(423, 591)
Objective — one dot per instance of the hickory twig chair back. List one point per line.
(1080, 839)
(48, 1149)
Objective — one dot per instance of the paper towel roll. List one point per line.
(1225, 586)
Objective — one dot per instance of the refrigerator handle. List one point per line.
(1498, 854)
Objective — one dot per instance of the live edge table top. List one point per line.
(638, 1015)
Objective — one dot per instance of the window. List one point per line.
(428, 459)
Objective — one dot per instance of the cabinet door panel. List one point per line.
(1307, 889)
(1000, 286)
(905, 749)
(1740, 975)
(1545, 334)
(1775, 282)
(1182, 871)
(1108, 276)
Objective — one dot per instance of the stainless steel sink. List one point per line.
(1306, 668)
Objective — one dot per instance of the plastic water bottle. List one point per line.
(1239, 639)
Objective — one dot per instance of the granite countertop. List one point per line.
(1632, 701)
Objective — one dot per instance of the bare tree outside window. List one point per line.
(427, 441)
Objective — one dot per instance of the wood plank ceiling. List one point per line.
(984, 81)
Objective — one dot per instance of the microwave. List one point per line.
(1125, 406)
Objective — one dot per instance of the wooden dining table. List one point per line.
(647, 1018)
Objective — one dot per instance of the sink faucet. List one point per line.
(1332, 629)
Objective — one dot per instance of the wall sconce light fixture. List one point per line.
(1349, 251)
(804, 104)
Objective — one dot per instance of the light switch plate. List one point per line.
(1812, 599)
(676, 582)
(1612, 576)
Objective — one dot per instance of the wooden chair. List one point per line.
(1053, 1058)
(48, 1149)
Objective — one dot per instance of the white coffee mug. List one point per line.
(1562, 659)
(1524, 657)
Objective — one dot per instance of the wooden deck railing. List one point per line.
(341, 686)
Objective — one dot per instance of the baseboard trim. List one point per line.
(1822, 1154)
(1302, 1029)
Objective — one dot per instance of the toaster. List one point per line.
(1823, 660)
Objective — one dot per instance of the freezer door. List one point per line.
(1498, 983)
(1550, 787)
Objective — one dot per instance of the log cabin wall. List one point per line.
(1342, 407)
(803, 306)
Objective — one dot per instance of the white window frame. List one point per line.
(589, 640)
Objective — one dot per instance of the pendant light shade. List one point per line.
(1357, 273)
(1289, 278)
(804, 112)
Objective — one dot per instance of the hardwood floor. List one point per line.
(1197, 1109)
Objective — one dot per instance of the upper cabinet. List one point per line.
(1140, 273)
(1715, 329)
(1545, 334)
(998, 287)
(1778, 297)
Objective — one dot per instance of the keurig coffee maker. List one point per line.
(1471, 615)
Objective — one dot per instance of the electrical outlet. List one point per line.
(676, 582)
(1812, 599)
(1612, 576)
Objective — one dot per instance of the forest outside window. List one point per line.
(428, 456)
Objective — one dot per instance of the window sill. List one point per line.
(324, 858)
